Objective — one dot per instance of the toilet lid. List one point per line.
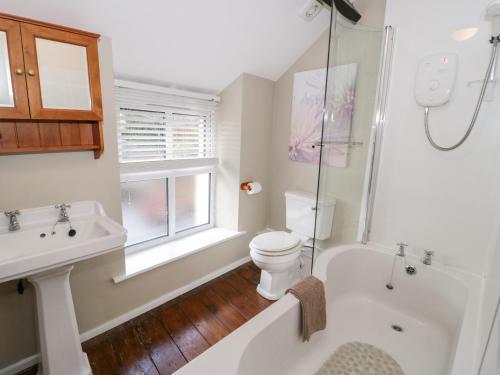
(274, 242)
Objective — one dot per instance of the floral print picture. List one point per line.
(307, 115)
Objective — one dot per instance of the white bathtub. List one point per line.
(437, 308)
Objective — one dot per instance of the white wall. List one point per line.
(444, 201)
(491, 295)
(257, 120)
(244, 119)
(229, 119)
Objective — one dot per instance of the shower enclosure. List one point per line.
(355, 96)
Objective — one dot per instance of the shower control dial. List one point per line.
(433, 85)
(435, 79)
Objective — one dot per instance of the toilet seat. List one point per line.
(275, 244)
(274, 260)
(274, 254)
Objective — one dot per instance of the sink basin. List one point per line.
(34, 248)
(43, 251)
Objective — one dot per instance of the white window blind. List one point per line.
(158, 126)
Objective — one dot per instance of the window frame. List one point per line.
(135, 96)
(138, 96)
(170, 174)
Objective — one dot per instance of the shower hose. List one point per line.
(494, 42)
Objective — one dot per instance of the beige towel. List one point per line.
(311, 294)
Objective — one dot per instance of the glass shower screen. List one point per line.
(352, 106)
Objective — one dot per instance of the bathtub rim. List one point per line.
(466, 358)
(225, 356)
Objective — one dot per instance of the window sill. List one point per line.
(159, 255)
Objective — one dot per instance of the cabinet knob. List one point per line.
(19, 71)
(31, 72)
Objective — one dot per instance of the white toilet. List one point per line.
(277, 253)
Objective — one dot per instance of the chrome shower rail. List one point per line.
(377, 129)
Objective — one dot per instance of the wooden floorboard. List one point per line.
(187, 338)
(239, 300)
(132, 356)
(163, 351)
(103, 359)
(161, 341)
(244, 286)
(224, 311)
(250, 274)
(205, 322)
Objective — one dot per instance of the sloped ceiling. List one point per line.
(197, 44)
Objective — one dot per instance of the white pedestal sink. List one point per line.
(45, 258)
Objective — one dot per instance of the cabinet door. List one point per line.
(13, 95)
(62, 74)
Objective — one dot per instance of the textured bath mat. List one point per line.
(356, 358)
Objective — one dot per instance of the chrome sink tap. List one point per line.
(64, 218)
(63, 212)
(13, 223)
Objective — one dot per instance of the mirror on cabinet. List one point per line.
(6, 91)
(64, 76)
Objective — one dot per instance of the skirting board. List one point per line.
(34, 359)
(160, 301)
(21, 365)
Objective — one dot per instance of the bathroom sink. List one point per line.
(34, 248)
(42, 248)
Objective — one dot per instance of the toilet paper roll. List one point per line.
(255, 188)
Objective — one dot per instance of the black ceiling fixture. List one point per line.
(345, 8)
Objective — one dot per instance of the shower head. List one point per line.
(493, 14)
(345, 8)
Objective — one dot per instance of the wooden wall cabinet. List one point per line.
(50, 92)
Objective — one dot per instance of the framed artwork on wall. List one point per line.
(307, 115)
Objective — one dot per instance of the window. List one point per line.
(154, 126)
(166, 149)
(192, 201)
(145, 209)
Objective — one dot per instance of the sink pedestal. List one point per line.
(60, 346)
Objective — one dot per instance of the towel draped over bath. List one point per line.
(311, 294)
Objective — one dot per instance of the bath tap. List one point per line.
(13, 223)
(401, 253)
(427, 258)
(409, 269)
(402, 249)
